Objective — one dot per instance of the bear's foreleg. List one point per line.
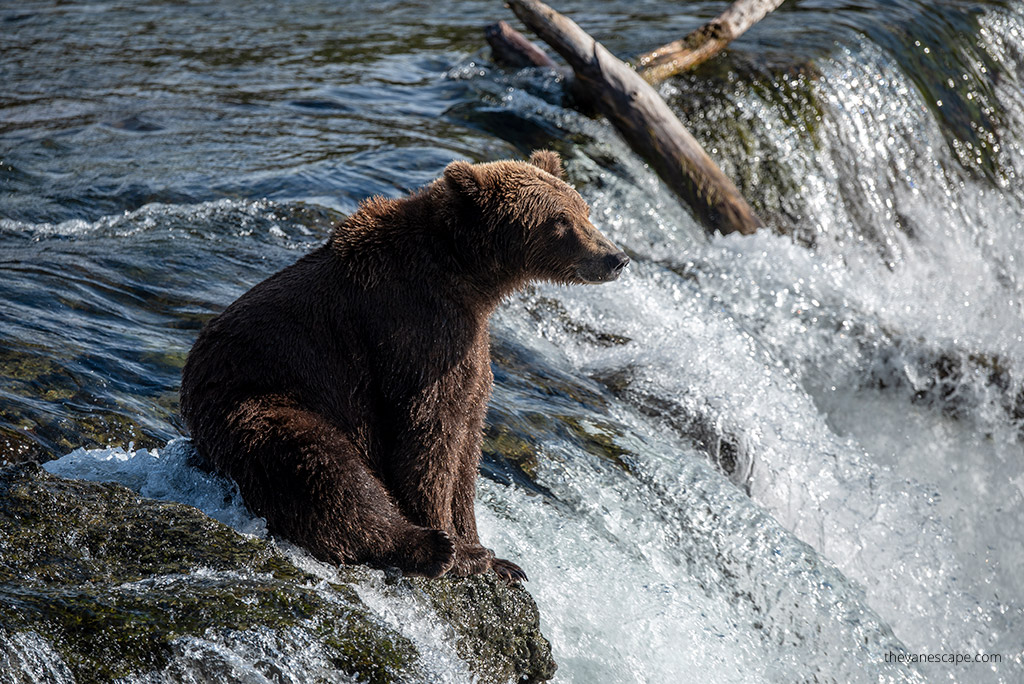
(464, 489)
(471, 557)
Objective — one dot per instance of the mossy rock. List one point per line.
(498, 626)
(117, 585)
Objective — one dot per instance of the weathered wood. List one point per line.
(644, 121)
(705, 42)
(512, 49)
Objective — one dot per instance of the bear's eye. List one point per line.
(562, 226)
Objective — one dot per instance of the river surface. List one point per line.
(793, 456)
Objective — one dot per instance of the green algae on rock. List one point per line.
(111, 585)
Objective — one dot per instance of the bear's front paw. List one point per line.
(471, 559)
(508, 571)
(432, 554)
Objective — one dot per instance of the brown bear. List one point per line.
(346, 394)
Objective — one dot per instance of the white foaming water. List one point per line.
(164, 475)
(625, 569)
(819, 486)
(214, 220)
(31, 659)
(674, 576)
(914, 492)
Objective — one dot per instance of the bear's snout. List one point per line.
(615, 263)
(600, 260)
(604, 268)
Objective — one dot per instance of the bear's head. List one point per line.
(522, 218)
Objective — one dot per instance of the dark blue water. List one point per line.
(109, 107)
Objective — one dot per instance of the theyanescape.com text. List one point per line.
(953, 658)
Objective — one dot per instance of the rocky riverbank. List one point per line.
(98, 583)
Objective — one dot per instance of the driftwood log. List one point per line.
(704, 43)
(644, 120)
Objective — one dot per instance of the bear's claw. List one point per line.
(508, 571)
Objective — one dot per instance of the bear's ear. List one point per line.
(548, 161)
(462, 178)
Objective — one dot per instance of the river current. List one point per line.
(792, 456)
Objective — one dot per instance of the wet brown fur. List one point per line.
(346, 394)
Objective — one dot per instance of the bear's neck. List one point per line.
(423, 241)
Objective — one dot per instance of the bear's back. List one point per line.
(280, 337)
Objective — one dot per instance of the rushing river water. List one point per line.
(784, 457)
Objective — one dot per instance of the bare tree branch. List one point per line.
(705, 42)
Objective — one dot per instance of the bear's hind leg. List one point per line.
(313, 487)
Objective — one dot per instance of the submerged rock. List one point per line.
(97, 584)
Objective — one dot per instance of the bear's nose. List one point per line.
(616, 262)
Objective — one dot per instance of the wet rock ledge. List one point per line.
(98, 584)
